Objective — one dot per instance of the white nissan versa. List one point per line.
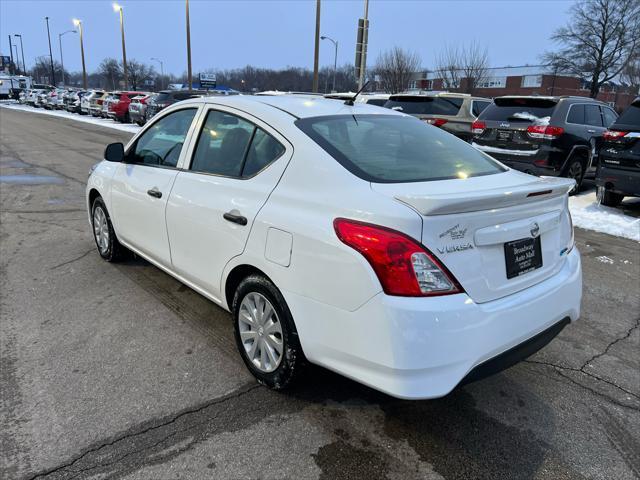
(357, 238)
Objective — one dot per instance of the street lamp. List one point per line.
(118, 8)
(335, 59)
(161, 71)
(24, 67)
(53, 74)
(61, 57)
(78, 24)
(189, 79)
(17, 61)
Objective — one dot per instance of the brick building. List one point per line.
(529, 80)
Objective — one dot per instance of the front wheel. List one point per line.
(608, 198)
(265, 333)
(105, 237)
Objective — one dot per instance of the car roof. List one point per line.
(555, 98)
(299, 106)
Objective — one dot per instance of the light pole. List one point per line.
(161, 71)
(61, 57)
(335, 59)
(316, 52)
(78, 24)
(53, 73)
(17, 61)
(118, 8)
(188, 48)
(24, 67)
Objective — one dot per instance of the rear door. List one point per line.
(141, 186)
(623, 151)
(234, 165)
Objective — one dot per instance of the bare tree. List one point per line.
(463, 68)
(41, 69)
(111, 72)
(394, 68)
(139, 73)
(598, 42)
(630, 74)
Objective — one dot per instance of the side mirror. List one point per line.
(114, 152)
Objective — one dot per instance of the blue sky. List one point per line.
(234, 33)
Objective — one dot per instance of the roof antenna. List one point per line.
(350, 101)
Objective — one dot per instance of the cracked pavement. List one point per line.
(119, 371)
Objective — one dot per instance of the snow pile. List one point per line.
(102, 122)
(587, 213)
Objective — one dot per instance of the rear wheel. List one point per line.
(265, 333)
(105, 237)
(575, 170)
(608, 198)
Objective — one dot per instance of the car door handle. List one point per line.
(154, 192)
(591, 131)
(232, 217)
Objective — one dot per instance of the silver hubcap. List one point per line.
(260, 332)
(101, 229)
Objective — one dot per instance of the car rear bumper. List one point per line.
(538, 162)
(625, 182)
(418, 348)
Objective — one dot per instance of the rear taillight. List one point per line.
(546, 132)
(436, 122)
(403, 266)
(613, 135)
(478, 127)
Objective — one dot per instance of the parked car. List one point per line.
(165, 98)
(618, 173)
(453, 112)
(138, 108)
(364, 241)
(556, 136)
(377, 99)
(40, 99)
(74, 101)
(119, 105)
(95, 103)
(85, 103)
(51, 99)
(106, 102)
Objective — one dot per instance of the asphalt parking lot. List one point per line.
(119, 371)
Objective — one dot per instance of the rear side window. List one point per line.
(478, 107)
(592, 115)
(396, 149)
(576, 114)
(519, 109)
(425, 105)
(609, 116)
(631, 116)
(233, 147)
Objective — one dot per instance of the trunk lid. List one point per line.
(467, 222)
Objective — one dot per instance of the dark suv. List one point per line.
(556, 136)
(165, 98)
(618, 172)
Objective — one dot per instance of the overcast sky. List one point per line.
(227, 34)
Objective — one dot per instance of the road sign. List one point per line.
(208, 80)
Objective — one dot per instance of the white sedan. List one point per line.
(349, 236)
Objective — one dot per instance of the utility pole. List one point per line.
(161, 71)
(363, 39)
(24, 67)
(11, 55)
(118, 8)
(189, 79)
(53, 73)
(78, 24)
(61, 57)
(316, 54)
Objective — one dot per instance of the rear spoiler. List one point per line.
(542, 189)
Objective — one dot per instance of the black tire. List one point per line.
(608, 198)
(127, 118)
(292, 359)
(575, 169)
(112, 250)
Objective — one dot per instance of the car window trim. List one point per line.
(134, 141)
(202, 121)
(585, 124)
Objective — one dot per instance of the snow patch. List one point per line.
(604, 259)
(102, 122)
(587, 213)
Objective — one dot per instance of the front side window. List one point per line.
(396, 149)
(233, 147)
(609, 116)
(161, 144)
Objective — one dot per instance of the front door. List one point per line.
(142, 184)
(235, 165)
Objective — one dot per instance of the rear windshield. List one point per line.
(631, 116)
(379, 102)
(396, 149)
(523, 109)
(425, 105)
